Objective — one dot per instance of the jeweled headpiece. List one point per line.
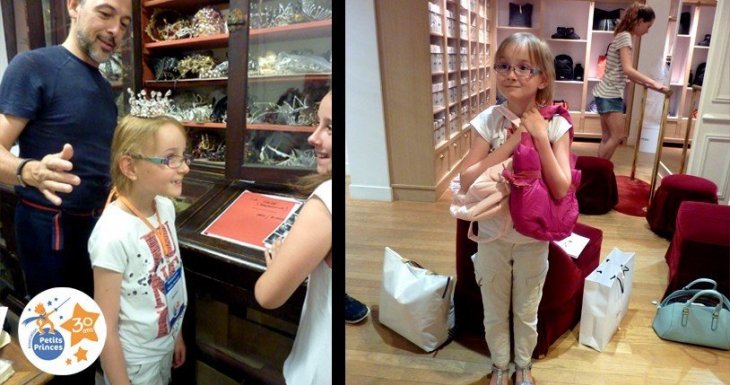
(155, 105)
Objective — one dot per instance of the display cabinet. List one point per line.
(246, 79)
(433, 89)
(584, 48)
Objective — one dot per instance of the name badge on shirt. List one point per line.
(175, 296)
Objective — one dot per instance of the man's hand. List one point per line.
(52, 175)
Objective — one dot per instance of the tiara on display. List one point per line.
(155, 105)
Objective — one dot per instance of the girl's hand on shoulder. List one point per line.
(534, 123)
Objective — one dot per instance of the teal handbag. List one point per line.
(703, 319)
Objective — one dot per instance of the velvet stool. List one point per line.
(674, 190)
(597, 193)
(700, 247)
(562, 298)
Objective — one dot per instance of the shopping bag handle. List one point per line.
(624, 269)
(701, 280)
(413, 263)
(428, 272)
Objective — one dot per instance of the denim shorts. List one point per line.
(605, 105)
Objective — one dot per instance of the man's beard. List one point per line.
(87, 46)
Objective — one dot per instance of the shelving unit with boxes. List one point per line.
(685, 55)
(432, 88)
(546, 17)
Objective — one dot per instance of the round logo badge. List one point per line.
(62, 331)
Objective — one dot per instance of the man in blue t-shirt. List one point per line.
(57, 106)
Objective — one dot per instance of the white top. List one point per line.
(310, 361)
(493, 127)
(121, 242)
(614, 79)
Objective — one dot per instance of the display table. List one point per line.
(25, 372)
(224, 326)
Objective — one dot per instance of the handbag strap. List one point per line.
(701, 280)
(607, 47)
(721, 300)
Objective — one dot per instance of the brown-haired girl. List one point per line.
(609, 92)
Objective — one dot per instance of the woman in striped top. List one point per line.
(619, 68)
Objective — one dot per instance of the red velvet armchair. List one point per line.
(700, 247)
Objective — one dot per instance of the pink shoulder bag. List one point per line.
(534, 211)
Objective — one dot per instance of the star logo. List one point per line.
(81, 325)
(80, 354)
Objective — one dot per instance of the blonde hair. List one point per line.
(636, 12)
(131, 137)
(540, 56)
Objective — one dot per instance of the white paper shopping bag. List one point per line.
(606, 299)
(416, 303)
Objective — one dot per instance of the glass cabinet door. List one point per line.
(285, 47)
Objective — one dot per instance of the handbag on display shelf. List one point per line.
(520, 15)
(416, 303)
(601, 64)
(606, 296)
(606, 20)
(703, 319)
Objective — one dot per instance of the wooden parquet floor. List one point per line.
(425, 232)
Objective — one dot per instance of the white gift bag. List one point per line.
(416, 303)
(606, 299)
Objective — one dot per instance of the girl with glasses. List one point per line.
(139, 281)
(512, 268)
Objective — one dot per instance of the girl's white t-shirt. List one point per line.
(310, 361)
(122, 243)
(494, 128)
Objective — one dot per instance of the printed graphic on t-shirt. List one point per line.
(163, 278)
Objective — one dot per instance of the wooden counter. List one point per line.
(25, 372)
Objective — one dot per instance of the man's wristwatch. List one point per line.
(19, 171)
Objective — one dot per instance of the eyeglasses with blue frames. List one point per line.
(172, 161)
(521, 70)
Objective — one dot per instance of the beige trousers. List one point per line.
(511, 272)
(150, 373)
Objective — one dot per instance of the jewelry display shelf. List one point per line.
(202, 42)
(220, 272)
(286, 32)
(244, 48)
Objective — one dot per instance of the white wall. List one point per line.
(366, 146)
(710, 155)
